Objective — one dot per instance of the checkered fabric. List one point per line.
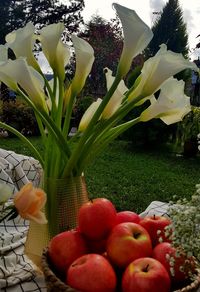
(17, 272)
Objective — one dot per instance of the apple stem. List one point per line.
(136, 235)
(146, 269)
(154, 217)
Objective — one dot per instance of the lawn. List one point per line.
(132, 178)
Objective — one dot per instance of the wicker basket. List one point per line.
(54, 284)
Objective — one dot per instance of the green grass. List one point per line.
(130, 178)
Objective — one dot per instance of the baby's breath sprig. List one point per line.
(185, 227)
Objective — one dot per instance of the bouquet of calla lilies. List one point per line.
(53, 101)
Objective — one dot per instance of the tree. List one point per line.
(16, 13)
(43, 12)
(12, 16)
(106, 40)
(170, 29)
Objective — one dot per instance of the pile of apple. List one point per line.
(112, 251)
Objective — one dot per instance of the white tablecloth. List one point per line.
(17, 272)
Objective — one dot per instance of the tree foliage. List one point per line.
(16, 13)
(43, 12)
(12, 16)
(170, 29)
(106, 39)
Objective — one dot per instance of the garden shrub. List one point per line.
(187, 132)
(148, 135)
(20, 116)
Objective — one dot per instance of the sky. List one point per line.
(145, 9)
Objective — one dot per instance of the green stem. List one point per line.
(41, 128)
(105, 126)
(76, 154)
(104, 139)
(25, 140)
(68, 114)
(50, 126)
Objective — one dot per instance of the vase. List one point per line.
(64, 197)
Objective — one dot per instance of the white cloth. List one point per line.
(17, 272)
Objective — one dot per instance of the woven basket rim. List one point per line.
(53, 281)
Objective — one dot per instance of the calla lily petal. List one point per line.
(3, 53)
(116, 99)
(55, 51)
(6, 75)
(84, 61)
(137, 35)
(86, 118)
(16, 72)
(172, 104)
(158, 69)
(21, 41)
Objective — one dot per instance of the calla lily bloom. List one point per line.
(137, 36)
(21, 41)
(84, 61)
(6, 75)
(172, 104)
(116, 99)
(89, 113)
(158, 69)
(55, 51)
(17, 72)
(3, 53)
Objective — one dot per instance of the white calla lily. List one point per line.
(16, 72)
(116, 99)
(172, 104)
(84, 60)
(137, 36)
(89, 113)
(6, 75)
(158, 69)
(21, 41)
(3, 53)
(55, 51)
(5, 193)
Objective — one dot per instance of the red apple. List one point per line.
(96, 218)
(127, 216)
(153, 224)
(145, 275)
(64, 248)
(127, 242)
(164, 251)
(92, 273)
